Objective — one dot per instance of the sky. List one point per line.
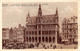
(14, 14)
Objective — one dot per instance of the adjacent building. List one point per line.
(20, 33)
(5, 35)
(42, 28)
(17, 34)
(70, 30)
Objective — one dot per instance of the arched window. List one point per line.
(42, 32)
(42, 39)
(35, 32)
(32, 39)
(46, 39)
(29, 32)
(36, 39)
(53, 39)
(32, 32)
(49, 39)
(39, 32)
(49, 32)
(29, 39)
(54, 32)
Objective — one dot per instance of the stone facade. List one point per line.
(5, 35)
(17, 34)
(20, 33)
(70, 29)
(42, 28)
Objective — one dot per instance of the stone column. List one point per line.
(37, 34)
(48, 36)
(31, 35)
(55, 36)
(41, 33)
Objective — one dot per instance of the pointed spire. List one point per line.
(39, 10)
(57, 11)
(39, 7)
(28, 15)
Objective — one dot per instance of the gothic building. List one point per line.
(42, 28)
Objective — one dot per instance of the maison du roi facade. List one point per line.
(42, 28)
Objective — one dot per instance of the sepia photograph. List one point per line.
(44, 25)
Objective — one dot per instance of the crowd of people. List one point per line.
(20, 45)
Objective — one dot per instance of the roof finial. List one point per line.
(39, 10)
(57, 11)
(28, 15)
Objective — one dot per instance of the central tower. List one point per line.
(39, 26)
(39, 15)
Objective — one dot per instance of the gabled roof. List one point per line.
(46, 18)
(32, 20)
(70, 20)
